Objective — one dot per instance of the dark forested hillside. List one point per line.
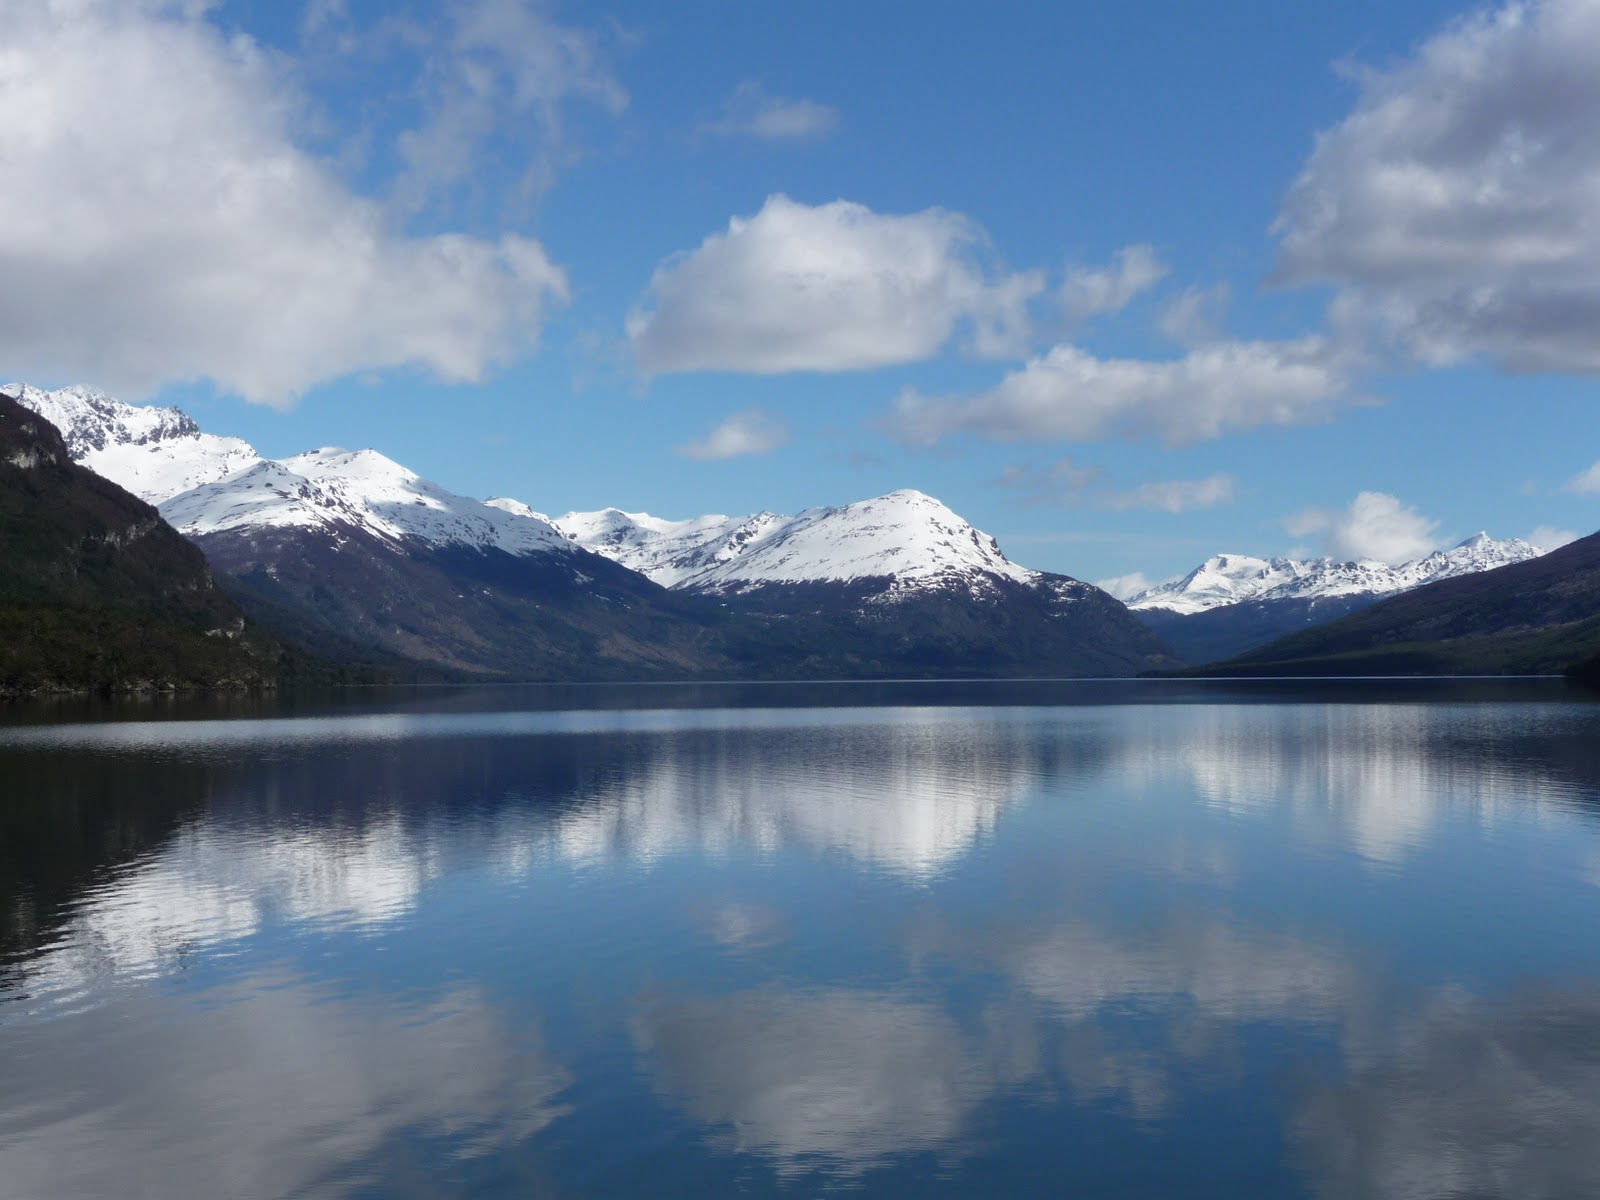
(1539, 616)
(96, 590)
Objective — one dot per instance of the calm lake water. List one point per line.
(1148, 939)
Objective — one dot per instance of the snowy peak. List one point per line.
(155, 453)
(91, 420)
(669, 552)
(362, 489)
(906, 536)
(1226, 579)
(206, 484)
(516, 508)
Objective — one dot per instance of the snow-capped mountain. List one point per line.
(898, 581)
(362, 489)
(907, 539)
(344, 549)
(204, 484)
(155, 453)
(1227, 579)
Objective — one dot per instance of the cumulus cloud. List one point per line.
(159, 224)
(832, 287)
(750, 112)
(1376, 526)
(1454, 207)
(750, 432)
(1091, 292)
(1069, 394)
(1585, 482)
(503, 70)
(1064, 482)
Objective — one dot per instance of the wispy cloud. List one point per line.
(1548, 537)
(750, 112)
(1065, 482)
(1585, 482)
(1069, 394)
(750, 432)
(1093, 291)
(503, 70)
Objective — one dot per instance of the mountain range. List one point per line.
(1539, 616)
(363, 561)
(1234, 603)
(338, 549)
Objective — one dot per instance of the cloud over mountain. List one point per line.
(1376, 526)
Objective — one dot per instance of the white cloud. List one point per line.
(1375, 526)
(750, 112)
(835, 287)
(748, 432)
(1585, 482)
(1088, 292)
(1068, 394)
(160, 225)
(1059, 481)
(1126, 587)
(505, 71)
(1195, 317)
(1065, 482)
(1173, 495)
(1455, 205)
(1548, 537)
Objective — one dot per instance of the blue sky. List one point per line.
(1124, 285)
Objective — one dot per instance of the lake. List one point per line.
(1121, 940)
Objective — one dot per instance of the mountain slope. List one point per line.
(1541, 615)
(96, 591)
(1233, 603)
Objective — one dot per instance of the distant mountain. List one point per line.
(907, 539)
(1537, 616)
(899, 570)
(345, 548)
(96, 590)
(1232, 603)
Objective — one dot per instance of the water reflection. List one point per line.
(853, 1077)
(1375, 779)
(798, 947)
(909, 798)
(265, 1086)
(1472, 1099)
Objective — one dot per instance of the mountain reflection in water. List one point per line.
(1321, 949)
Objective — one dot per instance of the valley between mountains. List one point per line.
(363, 564)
